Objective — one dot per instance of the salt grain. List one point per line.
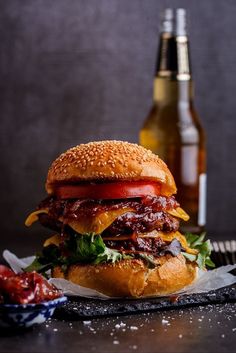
(164, 322)
(133, 328)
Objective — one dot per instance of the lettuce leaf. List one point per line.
(204, 250)
(46, 260)
(86, 248)
(91, 249)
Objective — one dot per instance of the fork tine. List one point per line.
(233, 250)
(218, 257)
(224, 252)
(230, 253)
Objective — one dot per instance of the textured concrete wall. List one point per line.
(73, 71)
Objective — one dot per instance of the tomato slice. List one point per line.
(116, 190)
(6, 272)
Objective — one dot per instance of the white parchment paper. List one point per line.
(207, 280)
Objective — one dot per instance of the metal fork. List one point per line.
(224, 252)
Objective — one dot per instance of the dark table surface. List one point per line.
(210, 328)
(203, 329)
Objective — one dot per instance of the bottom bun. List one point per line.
(132, 278)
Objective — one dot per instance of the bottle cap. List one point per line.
(168, 21)
(180, 22)
(174, 22)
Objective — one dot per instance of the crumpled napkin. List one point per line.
(206, 281)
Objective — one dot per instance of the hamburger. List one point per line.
(115, 219)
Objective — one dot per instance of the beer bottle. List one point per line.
(172, 128)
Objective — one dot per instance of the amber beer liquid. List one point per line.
(173, 129)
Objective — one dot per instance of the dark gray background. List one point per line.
(73, 71)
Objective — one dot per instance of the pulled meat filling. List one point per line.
(149, 245)
(153, 246)
(142, 222)
(149, 213)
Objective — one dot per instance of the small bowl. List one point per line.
(26, 315)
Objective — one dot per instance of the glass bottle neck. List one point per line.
(173, 80)
(168, 90)
(173, 57)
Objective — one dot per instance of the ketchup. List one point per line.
(25, 288)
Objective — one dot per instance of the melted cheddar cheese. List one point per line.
(55, 239)
(85, 224)
(97, 224)
(33, 217)
(179, 213)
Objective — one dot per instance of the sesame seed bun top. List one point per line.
(109, 161)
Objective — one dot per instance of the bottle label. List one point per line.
(189, 163)
(202, 200)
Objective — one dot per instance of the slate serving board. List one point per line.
(84, 308)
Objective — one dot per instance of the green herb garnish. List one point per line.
(91, 249)
(46, 260)
(204, 250)
(86, 248)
